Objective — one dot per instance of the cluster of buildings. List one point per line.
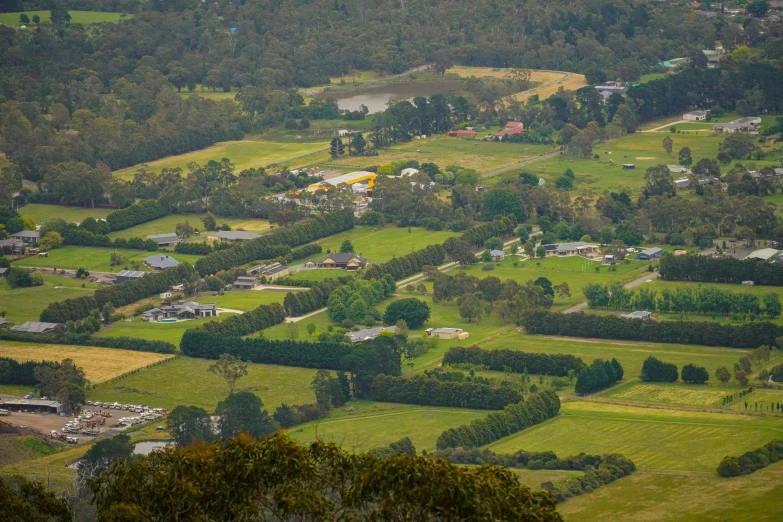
(18, 241)
(349, 261)
(745, 124)
(368, 334)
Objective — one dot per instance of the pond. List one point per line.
(376, 98)
(145, 448)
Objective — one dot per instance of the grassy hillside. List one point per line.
(26, 304)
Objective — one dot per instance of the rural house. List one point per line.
(4, 272)
(746, 124)
(346, 261)
(165, 239)
(512, 127)
(695, 116)
(574, 248)
(129, 275)
(160, 262)
(28, 236)
(181, 310)
(368, 334)
(11, 246)
(497, 255)
(245, 283)
(273, 271)
(448, 333)
(649, 254)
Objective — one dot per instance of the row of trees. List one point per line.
(693, 267)
(314, 228)
(136, 214)
(117, 295)
(22, 373)
(498, 360)
(751, 335)
(599, 469)
(303, 302)
(86, 235)
(237, 325)
(427, 391)
(68, 334)
(655, 370)
(514, 418)
(704, 300)
(598, 376)
(407, 265)
(752, 460)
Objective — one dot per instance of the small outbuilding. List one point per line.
(695, 116)
(448, 333)
(497, 255)
(35, 327)
(650, 254)
(245, 283)
(4, 272)
(235, 235)
(629, 166)
(165, 239)
(639, 314)
(129, 275)
(37, 405)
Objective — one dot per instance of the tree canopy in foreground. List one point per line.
(278, 479)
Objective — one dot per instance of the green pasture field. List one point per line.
(644, 149)
(42, 213)
(576, 271)
(171, 332)
(244, 300)
(185, 380)
(216, 95)
(675, 394)
(4, 162)
(653, 438)
(761, 396)
(655, 496)
(630, 354)
(26, 304)
(94, 258)
(77, 17)
(372, 425)
(484, 156)
(379, 244)
(534, 478)
(15, 389)
(244, 154)
(168, 224)
(319, 274)
(646, 78)
(318, 131)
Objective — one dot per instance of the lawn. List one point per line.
(643, 149)
(656, 439)
(26, 304)
(675, 394)
(630, 354)
(484, 156)
(761, 397)
(379, 244)
(94, 259)
(574, 270)
(77, 17)
(43, 213)
(245, 300)
(372, 425)
(170, 332)
(319, 274)
(168, 224)
(244, 154)
(100, 364)
(654, 496)
(186, 380)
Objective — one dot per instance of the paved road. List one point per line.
(521, 164)
(278, 162)
(632, 284)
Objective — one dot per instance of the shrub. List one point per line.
(137, 214)
(413, 311)
(694, 374)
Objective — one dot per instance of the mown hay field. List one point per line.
(100, 364)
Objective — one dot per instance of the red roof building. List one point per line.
(515, 125)
(462, 134)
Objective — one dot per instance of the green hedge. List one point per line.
(136, 214)
(306, 251)
(198, 343)
(81, 237)
(432, 392)
(752, 460)
(536, 363)
(84, 339)
(407, 265)
(694, 267)
(514, 418)
(118, 295)
(243, 324)
(306, 301)
(21, 373)
(750, 335)
(314, 228)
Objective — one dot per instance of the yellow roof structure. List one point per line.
(347, 179)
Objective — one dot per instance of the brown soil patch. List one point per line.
(645, 157)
